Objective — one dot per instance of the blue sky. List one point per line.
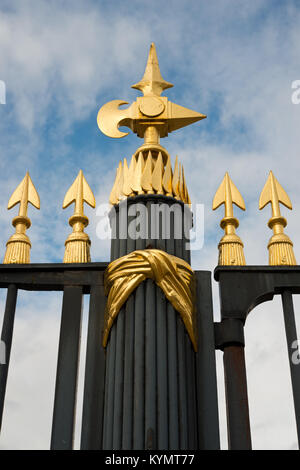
(233, 61)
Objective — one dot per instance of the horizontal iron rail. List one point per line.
(242, 288)
(52, 276)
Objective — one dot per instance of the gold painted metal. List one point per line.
(149, 111)
(151, 117)
(18, 246)
(148, 175)
(230, 246)
(280, 246)
(173, 275)
(78, 243)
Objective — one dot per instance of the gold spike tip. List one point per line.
(18, 245)
(280, 246)
(152, 82)
(230, 246)
(149, 111)
(77, 245)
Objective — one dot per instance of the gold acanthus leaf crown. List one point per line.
(149, 176)
(151, 117)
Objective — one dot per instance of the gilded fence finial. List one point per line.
(151, 117)
(78, 243)
(231, 246)
(18, 246)
(280, 245)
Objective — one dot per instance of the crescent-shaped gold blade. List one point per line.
(109, 118)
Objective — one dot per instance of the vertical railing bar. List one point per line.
(6, 338)
(292, 345)
(207, 393)
(237, 408)
(67, 370)
(94, 382)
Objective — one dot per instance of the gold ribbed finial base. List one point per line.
(77, 248)
(281, 251)
(231, 251)
(17, 250)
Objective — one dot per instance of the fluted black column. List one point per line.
(150, 396)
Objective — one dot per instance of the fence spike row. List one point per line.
(78, 243)
(230, 247)
(280, 246)
(18, 246)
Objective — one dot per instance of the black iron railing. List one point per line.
(241, 289)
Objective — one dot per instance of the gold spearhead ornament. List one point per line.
(18, 246)
(280, 245)
(78, 243)
(151, 116)
(230, 246)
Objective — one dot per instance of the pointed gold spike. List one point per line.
(231, 246)
(280, 246)
(78, 243)
(167, 178)
(131, 173)
(152, 82)
(157, 175)
(113, 198)
(146, 179)
(139, 167)
(185, 197)
(228, 194)
(126, 190)
(175, 182)
(181, 182)
(119, 188)
(18, 246)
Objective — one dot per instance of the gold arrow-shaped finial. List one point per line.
(78, 243)
(230, 246)
(280, 245)
(18, 246)
(151, 116)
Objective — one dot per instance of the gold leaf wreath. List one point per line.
(173, 275)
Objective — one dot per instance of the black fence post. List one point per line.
(6, 337)
(67, 370)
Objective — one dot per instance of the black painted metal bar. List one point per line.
(162, 370)
(139, 363)
(292, 346)
(67, 370)
(238, 421)
(161, 345)
(94, 384)
(172, 357)
(51, 277)
(6, 338)
(181, 353)
(207, 397)
(109, 402)
(127, 431)
(189, 351)
(150, 366)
